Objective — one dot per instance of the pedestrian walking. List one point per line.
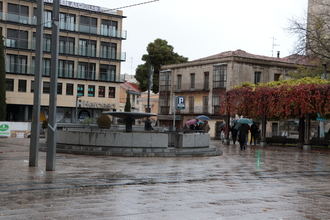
(234, 132)
(194, 124)
(205, 127)
(254, 133)
(243, 131)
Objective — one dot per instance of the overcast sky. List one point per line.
(200, 28)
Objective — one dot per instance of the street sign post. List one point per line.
(5, 129)
(180, 103)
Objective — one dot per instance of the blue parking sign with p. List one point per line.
(180, 102)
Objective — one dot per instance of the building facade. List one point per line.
(131, 89)
(139, 101)
(90, 56)
(318, 29)
(203, 83)
(318, 8)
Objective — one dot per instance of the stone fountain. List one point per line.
(129, 117)
(115, 142)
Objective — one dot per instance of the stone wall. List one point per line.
(145, 144)
(113, 139)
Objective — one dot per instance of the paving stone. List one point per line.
(259, 183)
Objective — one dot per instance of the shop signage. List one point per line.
(180, 103)
(4, 129)
(84, 6)
(87, 104)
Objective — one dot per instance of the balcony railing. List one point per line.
(18, 43)
(18, 18)
(164, 88)
(67, 26)
(184, 87)
(164, 110)
(18, 68)
(109, 32)
(113, 56)
(88, 29)
(219, 85)
(107, 77)
(122, 34)
(31, 45)
(195, 110)
(216, 109)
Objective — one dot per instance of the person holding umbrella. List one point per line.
(243, 131)
(203, 125)
(191, 123)
(203, 117)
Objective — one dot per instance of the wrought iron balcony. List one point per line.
(188, 87)
(164, 110)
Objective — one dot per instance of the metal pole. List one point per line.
(151, 70)
(51, 139)
(321, 123)
(263, 130)
(76, 115)
(148, 104)
(306, 145)
(325, 71)
(174, 112)
(147, 123)
(35, 126)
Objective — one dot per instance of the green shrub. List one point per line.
(104, 122)
(88, 121)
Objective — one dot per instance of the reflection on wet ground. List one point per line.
(259, 183)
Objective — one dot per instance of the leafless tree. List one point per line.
(313, 32)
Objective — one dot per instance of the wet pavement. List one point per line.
(259, 183)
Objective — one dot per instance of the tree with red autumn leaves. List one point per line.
(281, 100)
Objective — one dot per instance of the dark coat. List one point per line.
(233, 130)
(243, 131)
(254, 129)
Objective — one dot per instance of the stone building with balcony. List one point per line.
(90, 56)
(203, 83)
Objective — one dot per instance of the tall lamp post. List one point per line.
(321, 122)
(325, 73)
(35, 126)
(150, 84)
(76, 114)
(147, 125)
(51, 137)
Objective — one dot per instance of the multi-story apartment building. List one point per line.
(203, 82)
(90, 57)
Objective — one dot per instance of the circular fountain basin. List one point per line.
(114, 142)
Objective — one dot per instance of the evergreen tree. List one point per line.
(128, 103)
(159, 53)
(2, 82)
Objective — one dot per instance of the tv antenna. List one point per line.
(274, 45)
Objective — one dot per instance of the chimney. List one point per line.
(278, 54)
